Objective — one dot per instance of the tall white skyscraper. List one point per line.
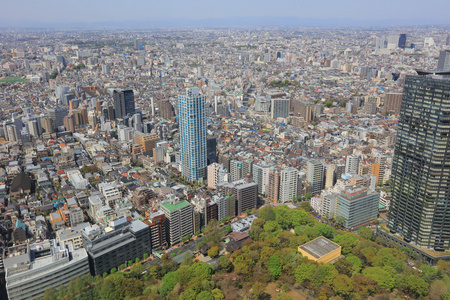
(192, 134)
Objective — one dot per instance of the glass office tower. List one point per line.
(420, 210)
(193, 156)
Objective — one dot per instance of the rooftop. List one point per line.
(171, 207)
(319, 247)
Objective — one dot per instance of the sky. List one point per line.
(405, 12)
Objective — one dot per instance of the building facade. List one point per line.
(193, 134)
(33, 268)
(124, 103)
(421, 167)
(357, 206)
(179, 220)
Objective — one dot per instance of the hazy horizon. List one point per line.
(198, 13)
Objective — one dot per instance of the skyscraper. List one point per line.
(315, 176)
(192, 134)
(444, 61)
(123, 103)
(420, 207)
(57, 115)
(402, 41)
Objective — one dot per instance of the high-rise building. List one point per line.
(146, 141)
(179, 220)
(392, 102)
(193, 134)
(165, 109)
(57, 115)
(303, 109)
(123, 103)
(261, 177)
(402, 41)
(245, 192)
(288, 185)
(444, 61)
(211, 150)
(69, 123)
(273, 186)
(47, 125)
(279, 107)
(315, 176)
(357, 206)
(157, 220)
(240, 168)
(447, 41)
(420, 172)
(330, 176)
(351, 164)
(215, 174)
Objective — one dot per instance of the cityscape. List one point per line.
(225, 162)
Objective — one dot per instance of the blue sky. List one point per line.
(91, 11)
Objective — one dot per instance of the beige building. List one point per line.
(146, 141)
(321, 250)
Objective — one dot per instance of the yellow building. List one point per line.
(146, 141)
(321, 250)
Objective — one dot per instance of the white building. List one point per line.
(288, 185)
(111, 191)
(77, 179)
(30, 269)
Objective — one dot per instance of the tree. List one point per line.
(173, 254)
(414, 286)
(343, 285)
(248, 211)
(197, 232)
(53, 75)
(275, 266)
(168, 283)
(145, 256)
(306, 206)
(267, 213)
(50, 294)
(228, 228)
(385, 279)
(188, 259)
(365, 233)
(225, 264)
(107, 290)
(205, 295)
(137, 268)
(122, 267)
(61, 291)
(131, 287)
(113, 270)
(243, 266)
(217, 294)
(179, 252)
(329, 103)
(137, 260)
(213, 235)
(305, 271)
(324, 229)
(346, 241)
(213, 252)
(188, 294)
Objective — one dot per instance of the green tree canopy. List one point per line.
(213, 234)
(275, 266)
